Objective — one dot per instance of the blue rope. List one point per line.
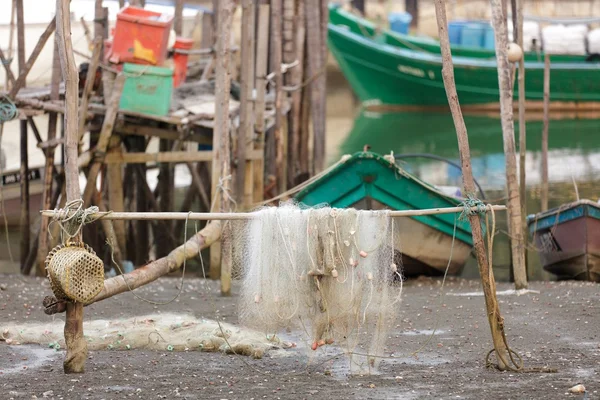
(8, 110)
(470, 202)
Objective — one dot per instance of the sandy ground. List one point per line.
(557, 327)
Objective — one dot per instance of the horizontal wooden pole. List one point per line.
(196, 216)
(168, 157)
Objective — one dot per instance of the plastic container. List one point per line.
(472, 35)
(400, 22)
(181, 60)
(455, 29)
(141, 36)
(147, 89)
(489, 40)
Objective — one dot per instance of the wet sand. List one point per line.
(557, 327)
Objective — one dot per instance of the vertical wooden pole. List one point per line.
(262, 51)
(289, 56)
(221, 136)
(166, 188)
(315, 64)
(49, 165)
(98, 22)
(485, 269)
(178, 18)
(517, 34)
(544, 194)
(412, 7)
(295, 115)
(76, 345)
(24, 171)
(322, 78)
(508, 133)
(276, 61)
(114, 177)
(243, 177)
(359, 5)
(13, 11)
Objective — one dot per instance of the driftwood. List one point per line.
(515, 220)
(487, 276)
(76, 345)
(152, 271)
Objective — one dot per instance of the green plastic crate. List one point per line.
(147, 89)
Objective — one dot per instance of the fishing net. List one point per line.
(163, 332)
(328, 273)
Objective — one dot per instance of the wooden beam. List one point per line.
(24, 71)
(177, 157)
(125, 128)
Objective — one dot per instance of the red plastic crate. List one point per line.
(141, 37)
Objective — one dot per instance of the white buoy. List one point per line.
(515, 53)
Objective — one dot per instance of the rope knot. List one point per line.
(468, 204)
(73, 217)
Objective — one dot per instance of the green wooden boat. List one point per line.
(393, 69)
(367, 180)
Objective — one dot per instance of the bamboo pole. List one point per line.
(224, 216)
(243, 173)
(152, 271)
(49, 165)
(178, 17)
(221, 142)
(545, 127)
(485, 266)
(279, 135)
(76, 345)
(515, 220)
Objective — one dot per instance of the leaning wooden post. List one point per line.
(544, 194)
(315, 64)
(221, 139)
(76, 345)
(485, 268)
(508, 133)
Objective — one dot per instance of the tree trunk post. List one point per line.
(508, 133)
(485, 268)
(545, 127)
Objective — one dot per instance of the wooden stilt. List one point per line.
(166, 188)
(11, 35)
(506, 110)
(89, 85)
(279, 134)
(178, 17)
(545, 127)
(314, 63)
(485, 268)
(245, 132)
(114, 175)
(221, 166)
(76, 345)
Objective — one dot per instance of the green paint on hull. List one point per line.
(367, 174)
(382, 72)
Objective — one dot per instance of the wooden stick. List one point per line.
(485, 267)
(178, 18)
(76, 345)
(49, 165)
(11, 36)
(10, 77)
(105, 133)
(245, 131)
(315, 63)
(166, 189)
(223, 216)
(114, 177)
(222, 147)
(89, 85)
(276, 60)
(86, 32)
(545, 127)
(151, 272)
(508, 134)
(24, 71)
(517, 33)
(262, 51)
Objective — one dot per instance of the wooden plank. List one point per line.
(177, 157)
(104, 137)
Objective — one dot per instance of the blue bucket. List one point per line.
(455, 29)
(400, 22)
(489, 41)
(473, 34)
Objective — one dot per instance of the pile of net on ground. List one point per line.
(326, 273)
(164, 332)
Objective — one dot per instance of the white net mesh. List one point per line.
(327, 272)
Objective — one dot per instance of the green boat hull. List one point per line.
(366, 180)
(385, 74)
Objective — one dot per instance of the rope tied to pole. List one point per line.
(73, 217)
(472, 206)
(8, 109)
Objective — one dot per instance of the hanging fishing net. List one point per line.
(326, 273)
